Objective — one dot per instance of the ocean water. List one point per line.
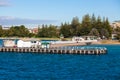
(33, 66)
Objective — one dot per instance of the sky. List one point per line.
(37, 12)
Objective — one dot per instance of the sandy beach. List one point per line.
(108, 42)
(67, 44)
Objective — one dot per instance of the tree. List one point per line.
(86, 25)
(43, 32)
(65, 30)
(94, 32)
(52, 31)
(23, 31)
(108, 27)
(75, 24)
(11, 32)
(99, 24)
(48, 31)
(104, 33)
(18, 31)
(93, 21)
(1, 31)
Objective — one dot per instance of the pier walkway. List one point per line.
(59, 50)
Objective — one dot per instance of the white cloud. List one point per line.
(7, 20)
(4, 3)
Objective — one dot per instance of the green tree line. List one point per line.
(15, 31)
(89, 25)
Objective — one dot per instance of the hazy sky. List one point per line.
(13, 12)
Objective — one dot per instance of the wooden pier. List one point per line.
(55, 50)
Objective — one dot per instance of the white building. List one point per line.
(77, 39)
(21, 43)
(9, 43)
(85, 39)
(115, 25)
(5, 28)
(34, 44)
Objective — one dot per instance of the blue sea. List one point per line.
(35, 66)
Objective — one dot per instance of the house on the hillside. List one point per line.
(34, 30)
(5, 28)
(115, 24)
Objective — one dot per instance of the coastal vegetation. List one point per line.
(89, 25)
(15, 31)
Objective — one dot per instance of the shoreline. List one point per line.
(101, 42)
(110, 42)
(67, 44)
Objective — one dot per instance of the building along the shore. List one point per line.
(85, 39)
(9, 43)
(34, 43)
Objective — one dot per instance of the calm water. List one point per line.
(28, 66)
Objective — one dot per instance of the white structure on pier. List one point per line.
(21, 43)
(9, 43)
